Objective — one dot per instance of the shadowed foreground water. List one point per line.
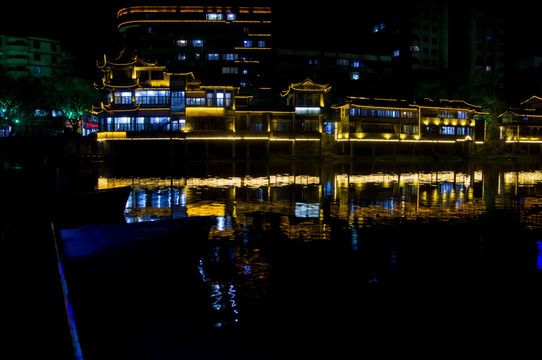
(339, 261)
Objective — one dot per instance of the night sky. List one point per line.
(90, 27)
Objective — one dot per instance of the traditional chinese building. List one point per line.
(400, 121)
(523, 124)
(144, 101)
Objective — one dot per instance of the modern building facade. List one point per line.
(416, 36)
(440, 37)
(349, 72)
(33, 57)
(220, 43)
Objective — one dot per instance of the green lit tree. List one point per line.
(74, 97)
(15, 104)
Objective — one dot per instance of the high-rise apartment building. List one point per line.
(415, 35)
(479, 46)
(222, 44)
(23, 57)
(441, 37)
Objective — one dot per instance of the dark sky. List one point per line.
(90, 26)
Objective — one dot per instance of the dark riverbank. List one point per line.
(69, 151)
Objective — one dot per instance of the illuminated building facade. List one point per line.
(391, 120)
(232, 44)
(523, 124)
(33, 57)
(144, 101)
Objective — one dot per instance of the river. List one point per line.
(315, 258)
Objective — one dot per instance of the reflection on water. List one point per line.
(306, 202)
(263, 220)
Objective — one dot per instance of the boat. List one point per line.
(75, 209)
(110, 240)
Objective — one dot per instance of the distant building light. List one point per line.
(379, 27)
(396, 53)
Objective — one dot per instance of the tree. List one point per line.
(74, 97)
(15, 103)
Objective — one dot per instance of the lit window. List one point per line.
(488, 68)
(214, 16)
(182, 43)
(396, 53)
(355, 64)
(231, 17)
(247, 43)
(230, 70)
(261, 43)
(343, 62)
(375, 29)
(197, 43)
(354, 75)
(447, 130)
(212, 56)
(219, 99)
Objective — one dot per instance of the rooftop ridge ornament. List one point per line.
(124, 59)
(307, 85)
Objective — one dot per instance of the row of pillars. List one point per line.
(292, 150)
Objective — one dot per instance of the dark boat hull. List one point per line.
(110, 241)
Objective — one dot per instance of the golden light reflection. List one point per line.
(302, 205)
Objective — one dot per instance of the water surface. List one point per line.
(322, 258)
